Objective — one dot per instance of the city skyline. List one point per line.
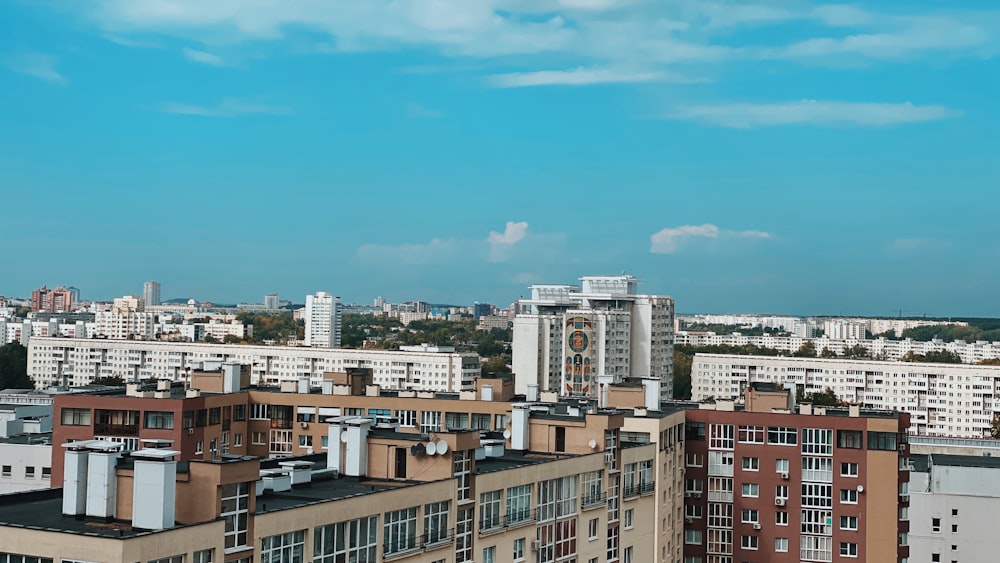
(800, 158)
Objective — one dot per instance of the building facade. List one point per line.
(323, 317)
(603, 328)
(151, 293)
(941, 399)
(775, 484)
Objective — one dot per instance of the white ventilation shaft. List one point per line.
(231, 377)
(102, 485)
(154, 490)
(357, 447)
(651, 388)
(303, 387)
(334, 445)
(603, 389)
(519, 428)
(532, 394)
(75, 478)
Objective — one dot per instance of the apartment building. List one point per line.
(603, 327)
(554, 485)
(953, 500)
(769, 482)
(942, 399)
(59, 299)
(75, 362)
(324, 319)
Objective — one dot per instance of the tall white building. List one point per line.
(575, 334)
(271, 301)
(942, 399)
(126, 320)
(151, 293)
(323, 316)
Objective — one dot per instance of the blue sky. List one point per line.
(789, 157)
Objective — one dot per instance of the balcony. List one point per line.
(594, 500)
(413, 544)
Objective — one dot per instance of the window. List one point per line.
(816, 521)
(518, 504)
(612, 544)
(6, 471)
(260, 412)
(305, 441)
(751, 490)
(692, 511)
(629, 515)
(881, 441)
(848, 496)
(238, 440)
(692, 537)
(204, 556)
(354, 540)
(720, 541)
(781, 491)
(490, 554)
(781, 466)
(751, 464)
(29, 472)
(720, 515)
(782, 435)
(817, 441)
(694, 431)
(462, 470)
(629, 479)
(239, 412)
(463, 535)
(751, 434)
(935, 557)
(694, 460)
(257, 438)
(159, 420)
(519, 549)
(407, 418)
(283, 548)
(489, 510)
(749, 542)
(816, 548)
(781, 544)
(850, 439)
(400, 530)
(720, 436)
(720, 489)
(592, 528)
(76, 417)
(749, 516)
(720, 463)
(954, 528)
(436, 522)
(848, 522)
(171, 559)
(46, 473)
(214, 415)
(935, 525)
(817, 495)
(430, 421)
(593, 493)
(627, 555)
(848, 549)
(781, 518)
(235, 506)
(817, 469)
(848, 469)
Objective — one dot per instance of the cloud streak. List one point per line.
(580, 77)
(227, 107)
(202, 57)
(813, 112)
(38, 65)
(671, 239)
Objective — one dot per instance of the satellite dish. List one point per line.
(861, 488)
(343, 438)
(431, 448)
(592, 443)
(442, 447)
(506, 434)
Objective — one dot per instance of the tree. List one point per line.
(682, 375)
(496, 364)
(990, 362)
(231, 339)
(856, 351)
(934, 356)
(827, 353)
(14, 367)
(995, 426)
(209, 339)
(110, 380)
(824, 398)
(807, 350)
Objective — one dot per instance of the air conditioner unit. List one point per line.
(784, 476)
(190, 431)
(536, 544)
(303, 425)
(697, 494)
(688, 520)
(904, 498)
(779, 502)
(757, 526)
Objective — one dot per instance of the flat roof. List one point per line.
(42, 510)
(40, 439)
(923, 462)
(512, 459)
(323, 488)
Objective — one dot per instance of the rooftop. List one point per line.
(923, 462)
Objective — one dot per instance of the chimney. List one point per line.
(231, 378)
(102, 484)
(334, 449)
(519, 429)
(532, 395)
(154, 489)
(603, 389)
(303, 387)
(75, 478)
(357, 446)
(327, 387)
(651, 388)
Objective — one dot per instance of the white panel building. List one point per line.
(51, 361)
(574, 334)
(323, 316)
(942, 399)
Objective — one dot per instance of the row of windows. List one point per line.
(30, 472)
(815, 441)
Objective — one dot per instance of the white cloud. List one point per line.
(38, 65)
(671, 239)
(418, 111)
(228, 107)
(580, 77)
(512, 234)
(516, 244)
(202, 57)
(748, 115)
